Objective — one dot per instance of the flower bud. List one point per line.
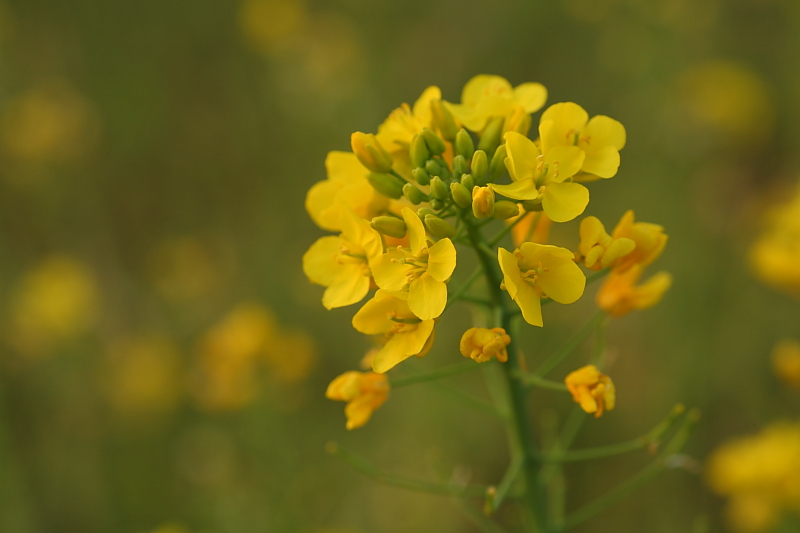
(498, 165)
(467, 181)
(461, 195)
(439, 189)
(433, 141)
(482, 202)
(503, 210)
(414, 195)
(443, 120)
(386, 185)
(436, 204)
(481, 344)
(460, 166)
(464, 144)
(422, 212)
(441, 229)
(479, 167)
(391, 226)
(418, 151)
(433, 168)
(370, 152)
(492, 135)
(421, 176)
(593, 391)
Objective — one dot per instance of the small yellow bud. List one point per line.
(421, 176)
(443, 120)
(464, 144)
(386, 185)
(418, 151)
(461, 195)
(479, 167)
(391, 226)
(441, 229)
(481, 344)
(467, 181)
(433, 141)
(492, 135)
(414, 195)
(593, 391)
(439, 189)
(503, 210)
(482, 202)
(498, 164)
(370, 152)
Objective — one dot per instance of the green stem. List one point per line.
(465, 398)
(533, 380)
(571, 344)
(431, 375)
(600, 274)
(505, 231)
(495, 497)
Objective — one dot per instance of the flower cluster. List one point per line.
(776, 254)
(432, 177)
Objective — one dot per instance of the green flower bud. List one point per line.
(369, 151)
(443, 120)
(467, 181)
(464, 144)
(391, 226)
(437, 204)
(414, 195)
(532, 205)
(432, 167)
(479, 167)
(503, 209)
(435, 143)
(422, 212)
(418, 151)
(421, 176)
(441, 229)
(385, 184)
(461, 195)
(460, 166)
(492, 135)
(498, 164)
(482, 202)
(439, 189)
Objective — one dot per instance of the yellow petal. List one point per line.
(567, 119)
(373, 317)
(651, 291)
(511, 274)
(319, 262)
(530, 304)
(422, 107)
(427, 297)
(318, 200)
(359, 232)
(442, 260)
(350, 287)
(564, 201)
(359, 411)
(416, 231)
(531, 96)
(483, 85)
(389, 272)
(519, 190)
(603, 131)
(468, 116)
(567, 160)
(402, 346)
(603, 162)
(563, 281)
(522, 156)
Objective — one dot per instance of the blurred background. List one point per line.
(163, 357)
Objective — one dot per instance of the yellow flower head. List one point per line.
(619, 294)
(417, 274)
(593, 391)
(364, 392)
(776, 254)
(544, 176)
(482, 201)
(536, 271)
(342, 263)
(403, 123)
(370, 152)
(486, 96)
(481, 344)
(601, 138)
(405, 334)
(600, 250)
(786, 362)
(650, 241)
(346, 187)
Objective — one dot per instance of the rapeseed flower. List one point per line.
(619, 294)
(590, 389)
(364, 392)
(481, 344)
(775, 256)
(397, 131)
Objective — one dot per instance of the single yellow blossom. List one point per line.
(418, 273)
(543, 176)
(396, 132)
(649, 238)
(364, 393)
(536, 271)
(482, 201)
(342, 264)
(598, 249)
(370, 152)
(593, 391)
(346, 187)
(786, 362)
(481, 344)
(486, 96)
(619, 294)
(600, 138)
(405, 334)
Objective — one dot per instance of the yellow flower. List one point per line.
(481, 344)
(536, 271)
(290, 355)
(619, 294)
(593, 391)
(776, 254)
(364, 392)
(346, 186)
(398, 129)
(418, 273)
(405, 334)
(541, 176)
(486, 96)
(786, 362)
(342, 263)
(482, 201)
(650, 241)
(600, 250)
(601, 138)
(370, 152)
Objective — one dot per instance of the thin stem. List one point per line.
(465, 287)
(431, 375)
(600, 274)
(505, 231)
(464, 398)
(494, 498)
(475, 300)
(568, 347)
(533, 380)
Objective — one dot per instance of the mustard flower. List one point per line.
(482, 201)
(600, 138)
(536, 271)
(481, 344)
(542, 176)
(650, 241)
(598, 249)
(619, 294)
(396, 132)
(417, 274)
(590, 389)
(364, 393)
(342, 263)
(346, 187)
(485, 96)
(370, 152)
(405, 334)
(775, 256)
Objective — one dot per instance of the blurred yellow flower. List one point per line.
(619, 294)
(786, 362)
(187, 270)
(775, 256)
(269, 24)
(342, 264)
(364, 392)
(481, 344)
(418, 273)
(405, 334)
(593, 391)
(536, 271)
(291, 355)
(396, 132)
(543, 176)
(761, 476)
